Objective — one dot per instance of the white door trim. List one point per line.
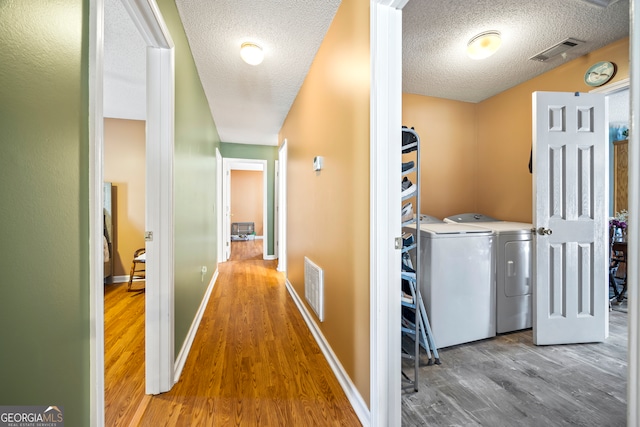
(219, 207)
(613, 87)
(385, 176)
(633, 317)
(230, 164)
(160, 90)
(282, 207)
(633, 368)
(96, 178)
(276, 214)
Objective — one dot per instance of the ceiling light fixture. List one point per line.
(484, 45)
(251, 53)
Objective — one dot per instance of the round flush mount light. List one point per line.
(484, 45)
(251, 53)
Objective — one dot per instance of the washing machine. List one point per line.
(429, 219)
(457, 281)
(514, 258)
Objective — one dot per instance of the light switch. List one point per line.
(318, 162)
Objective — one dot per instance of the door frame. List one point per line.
(159, 351)
(276, 206)
(220, 206)
(389, 38)
(385, 203)
(229, 164)
(633, 303)
(282, 207)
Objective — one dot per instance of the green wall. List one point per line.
(196, 139)
(44, 214)
(258, 152)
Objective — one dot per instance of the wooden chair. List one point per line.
(137, 268)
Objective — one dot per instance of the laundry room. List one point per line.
(475, 156)
(475, 159)
(475, 264)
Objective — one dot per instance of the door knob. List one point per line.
(544, 231)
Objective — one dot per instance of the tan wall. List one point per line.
(328, 212)
(124, 167)
(246, 198)
(475, 157)
(448, 152)
(504, 133)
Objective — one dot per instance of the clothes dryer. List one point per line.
(457, 282)
(514, 262)
(469, 218)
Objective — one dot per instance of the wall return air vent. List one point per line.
(314, 287)
(557, 49)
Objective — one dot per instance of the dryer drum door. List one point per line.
(518, 268)
(514, 283)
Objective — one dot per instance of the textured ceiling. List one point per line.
(249, 104)
(436, 32)
(125, 65)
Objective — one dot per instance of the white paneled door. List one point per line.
(570, 187)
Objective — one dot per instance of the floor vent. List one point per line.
(556, 50)
(314, 287)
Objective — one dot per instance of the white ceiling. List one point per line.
(250, 103)
(124, 65)
(436, 32)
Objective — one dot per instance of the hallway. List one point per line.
(253, 362)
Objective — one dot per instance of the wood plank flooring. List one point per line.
(124, 352)
(253, 361)
(507, 381)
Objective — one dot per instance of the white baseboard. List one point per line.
(259, 237)
(270, 257)
(181, 359)
(354, 396)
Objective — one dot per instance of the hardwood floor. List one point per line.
(507, 381)
(253, 361)
(124, 352)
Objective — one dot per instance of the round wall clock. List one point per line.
(600, 73)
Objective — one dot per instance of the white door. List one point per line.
(570, 186)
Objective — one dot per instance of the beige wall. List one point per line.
(448, 152)
(124, 167)
(475, 156)
(328, 212)
(246, 198)
(504, 133)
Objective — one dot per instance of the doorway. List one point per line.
(245, 171)
(159, 351)
(124, 168)
(124, 154)
(618, 95)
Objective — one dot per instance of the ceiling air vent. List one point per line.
(556, 50)
(601, 3)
